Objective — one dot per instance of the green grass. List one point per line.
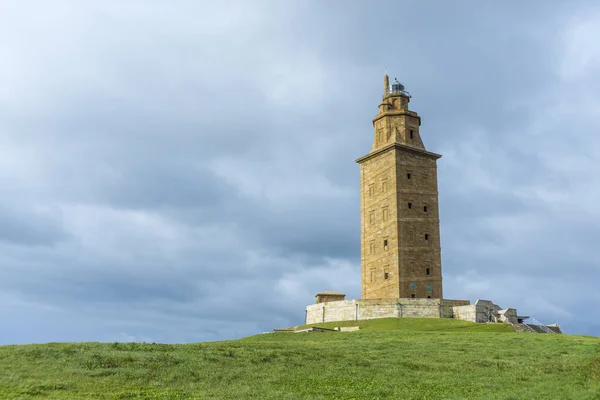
(386, 359)
(416, 324)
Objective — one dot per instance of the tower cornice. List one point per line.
(395, 113)
(398, 146)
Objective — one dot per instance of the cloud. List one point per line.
(30, 225)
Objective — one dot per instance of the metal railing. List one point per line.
(542, 326)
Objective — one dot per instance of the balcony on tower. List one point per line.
(395, 89)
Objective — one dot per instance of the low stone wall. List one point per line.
(508, 315)
(362, 309)
(344, 310)
(465, 313)
(447, 307)
(485, 311)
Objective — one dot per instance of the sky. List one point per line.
(184, 171)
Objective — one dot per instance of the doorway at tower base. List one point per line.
(361, 309)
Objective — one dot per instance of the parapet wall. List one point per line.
(361, 309)
(485, 311)
(482, 311)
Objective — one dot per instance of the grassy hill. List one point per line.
(386, 359)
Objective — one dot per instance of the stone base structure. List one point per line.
(329, 295)
(351, 310)
(361, 309)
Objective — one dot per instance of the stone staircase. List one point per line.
(524, 328)
(537, 327)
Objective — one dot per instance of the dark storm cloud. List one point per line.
(185, 171)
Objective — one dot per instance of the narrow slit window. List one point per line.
(408, 175)
(427, 236)
(385, 242)
(411, 133)
(409, 205)
(386, 275)
(424, 208)
(428, 271)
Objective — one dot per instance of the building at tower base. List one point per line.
(483, 311)
(361, 309)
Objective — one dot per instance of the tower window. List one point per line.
(385, 213)
(408, 175)
(424, 208)
(409, 205)
(385, 243)
(386, 275)
(428, 271)
(411, 134)
(427, 236)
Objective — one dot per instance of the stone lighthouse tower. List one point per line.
(400, 228)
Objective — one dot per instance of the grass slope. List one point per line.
(416, 324)
(386, 359)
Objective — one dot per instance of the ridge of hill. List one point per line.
(415, 324)
(385, 359)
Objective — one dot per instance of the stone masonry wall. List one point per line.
(508, 315)
(481, 311)
(465, 313)
(400, 240)
(379, 237)
(447, 307)
(484, 309)
(349, 310)
(344, 310)
(324, 298)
